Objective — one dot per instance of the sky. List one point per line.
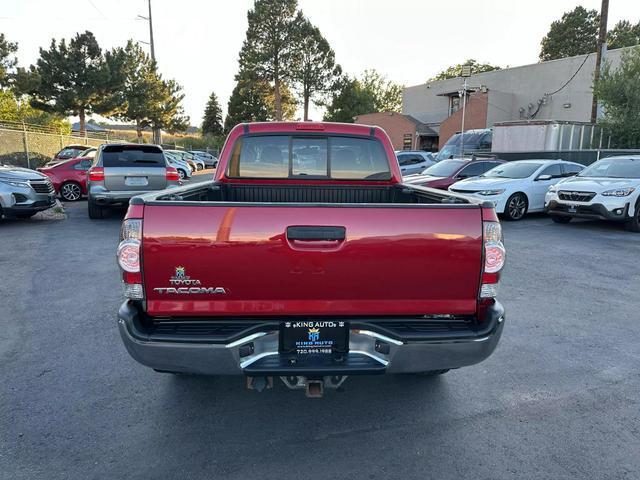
(197, 41)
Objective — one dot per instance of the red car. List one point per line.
(70, 151)
(447, 172)
(69, 177)
(307, 258)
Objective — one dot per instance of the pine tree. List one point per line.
(315, 67)
(212, 123)
(268, 50)
(71, 79)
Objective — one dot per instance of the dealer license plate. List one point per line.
(311, 336)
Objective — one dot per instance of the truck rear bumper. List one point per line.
(372, 350)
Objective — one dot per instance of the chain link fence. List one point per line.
(32, 146)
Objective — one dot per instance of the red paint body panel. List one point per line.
(394, 261)
(65, 172)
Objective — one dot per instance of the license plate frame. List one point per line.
(305, 337)
(136, 181)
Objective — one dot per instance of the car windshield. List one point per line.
(513, 170)
(452, 147)
(445, 168)
(613, 168)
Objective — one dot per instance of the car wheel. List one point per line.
(633, 223)
(199, 167)
(559, 219)
(516, 207)
(182, 174)
(215, 164)
(71, 191)
(95, 211)
(432, 373)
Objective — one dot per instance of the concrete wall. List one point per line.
(395, 124)
(513, 88)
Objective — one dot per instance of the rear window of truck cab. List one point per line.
(132, 156)
(317, 157)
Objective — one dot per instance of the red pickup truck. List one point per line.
(306, 258)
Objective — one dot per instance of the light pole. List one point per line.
(466, 73)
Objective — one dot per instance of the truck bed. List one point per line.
(332, 194)
(402, 250)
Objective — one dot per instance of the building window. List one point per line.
(454, 104)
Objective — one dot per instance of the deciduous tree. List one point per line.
(574, 34)
(348, 99)
(456, 70)
(623, 34)
(620, 96)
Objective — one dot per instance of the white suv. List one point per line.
(607, 190)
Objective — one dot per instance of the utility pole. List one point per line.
(153, 50)
(156, 131)
(601, 48)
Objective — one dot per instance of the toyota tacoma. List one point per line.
(307, 259)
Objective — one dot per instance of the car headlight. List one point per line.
(491, 192)
(619, 192)
(15, 183)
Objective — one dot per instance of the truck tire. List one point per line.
(560, 219)
(633, 223)
(95, 211)
(516, 207)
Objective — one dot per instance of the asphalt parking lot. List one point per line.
(559, 398)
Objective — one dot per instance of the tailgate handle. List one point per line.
(316, 234)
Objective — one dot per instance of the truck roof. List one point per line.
(327, 127)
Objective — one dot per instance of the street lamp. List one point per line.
(466, 73)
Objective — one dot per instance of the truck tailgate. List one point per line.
(311, 260)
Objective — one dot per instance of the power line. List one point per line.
(97, 9)
(572, 76)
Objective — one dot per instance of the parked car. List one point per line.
(70, 151)
(87, 153)
(197, 163)
(178, 157)
(69, 177)
(516, 188)
(208, 159)
(312, 211)
(24, 192)
(607, 190)
(414, 161)
(475, 141)
(122, 171)
(446, 172)
(184, 169)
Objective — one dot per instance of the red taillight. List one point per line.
(96, 174)
(494, 259)
(172, 174)
(129, 257)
